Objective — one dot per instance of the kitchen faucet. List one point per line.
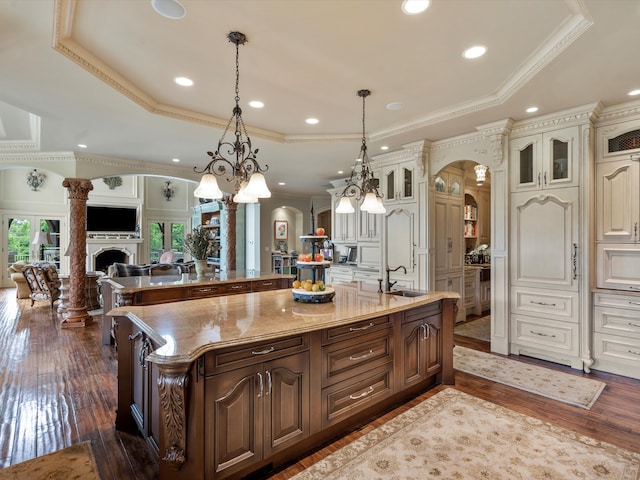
(389, 282)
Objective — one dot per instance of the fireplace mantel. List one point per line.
(95, 246)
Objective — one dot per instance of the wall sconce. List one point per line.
(35, 179)
(168, 190)
(481, 173)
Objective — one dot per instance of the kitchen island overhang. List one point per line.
(180, 362)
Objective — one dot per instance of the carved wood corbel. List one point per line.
(172, 389)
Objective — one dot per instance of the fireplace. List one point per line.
(102, 252)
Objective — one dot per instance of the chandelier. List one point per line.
(481, 173)
(242, 169)
(361, 184)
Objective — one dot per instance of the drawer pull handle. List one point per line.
(633, 287)
(204, 290)
(356, 329)
(542, 334)
(634, 353)
(263, 352)
(261, 385)
(634, 324)
(268, 383)
(543, 303)
(237, 287)
(634, 303)
(363, 394)
(368, 354)
(267, 284)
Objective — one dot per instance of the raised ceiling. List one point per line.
(101, 73)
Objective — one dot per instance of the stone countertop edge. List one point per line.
(181, 342)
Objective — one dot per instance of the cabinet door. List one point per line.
(369, 226)
(560, 158)
(449, 224)
(544, 239)
(286, 402)
(231, 444)
(400, 237)
(406, 175)
(618, 201)
(525, 154)
(421, 349)
(389, 189)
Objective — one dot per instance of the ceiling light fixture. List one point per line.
(633, 93)
(183, 81)
(413, 7)
(256, 104)
(474, 52)
(361, 172)
(169, 8)
(312, 121)
(532, 110)
(243, 170)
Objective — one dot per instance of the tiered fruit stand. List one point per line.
(317, 266)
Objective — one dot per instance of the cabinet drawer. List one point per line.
(346, 359)
(239, 287)
(617, 321)
(343, 399)
(355, 330)
(240, 356)
(617, 354)
(618, 266)
(205, 291)
(631, 302)
(555, 304)
(160, 295)
(423, 312)
(545, 334)
(262, 285)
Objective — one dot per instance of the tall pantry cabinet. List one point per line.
(616, 300)
(545, 242)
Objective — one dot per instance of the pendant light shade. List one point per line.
(243, 195)
(257, 186)
(378, 207)
(345, 206)
(369, 202)
(208, 188)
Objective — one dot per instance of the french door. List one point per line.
(166, 236)
(30, 238)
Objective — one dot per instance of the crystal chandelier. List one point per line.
(481, 173)
(242, 169)
(361, 184)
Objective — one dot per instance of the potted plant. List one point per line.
(199, 244)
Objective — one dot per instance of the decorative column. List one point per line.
(77, 315)
(228, 229)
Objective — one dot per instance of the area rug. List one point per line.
(572, 389)
(72, 463)
(453, 435)
(479, 329)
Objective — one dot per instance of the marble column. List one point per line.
(77, 315)
(228, 229)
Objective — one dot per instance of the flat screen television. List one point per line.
(112, 219)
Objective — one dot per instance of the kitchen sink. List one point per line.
(407, 293)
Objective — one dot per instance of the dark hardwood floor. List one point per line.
(59, 388)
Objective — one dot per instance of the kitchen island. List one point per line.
(224, 386)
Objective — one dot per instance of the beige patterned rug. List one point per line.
(72, 463)
(479, 329)
(453, 435)
(572, 389)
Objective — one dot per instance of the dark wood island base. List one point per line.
(227, 386)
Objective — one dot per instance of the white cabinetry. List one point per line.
(400, 231)
(616, 339)
(344, 224)
(398, 182)
(545, 160)
(618, 205)
(369, 227)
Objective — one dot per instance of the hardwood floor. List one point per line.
(59, 388)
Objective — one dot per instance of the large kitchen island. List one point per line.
(224, 386)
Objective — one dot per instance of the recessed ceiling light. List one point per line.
(312, 121)
(183, 81)
(634, 92)
(413, 7)
(384, 147)
(340, 172)
(474, 52)
(281, 183)
(395, 106)
(169, 8)
(175, 160)
(82, 145)
(256, 104)
(531, 109)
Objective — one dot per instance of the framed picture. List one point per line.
(281, 230)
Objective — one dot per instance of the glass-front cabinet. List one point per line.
(398, 182)
(547, 160)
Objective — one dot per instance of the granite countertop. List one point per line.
(188, 329)
(133, 284)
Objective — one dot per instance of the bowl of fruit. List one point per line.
(307, 291)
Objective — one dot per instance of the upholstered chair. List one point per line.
(16, 275)
(164, 269)
(43, 281)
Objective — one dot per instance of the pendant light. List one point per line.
(242, 169)
(367, 188)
